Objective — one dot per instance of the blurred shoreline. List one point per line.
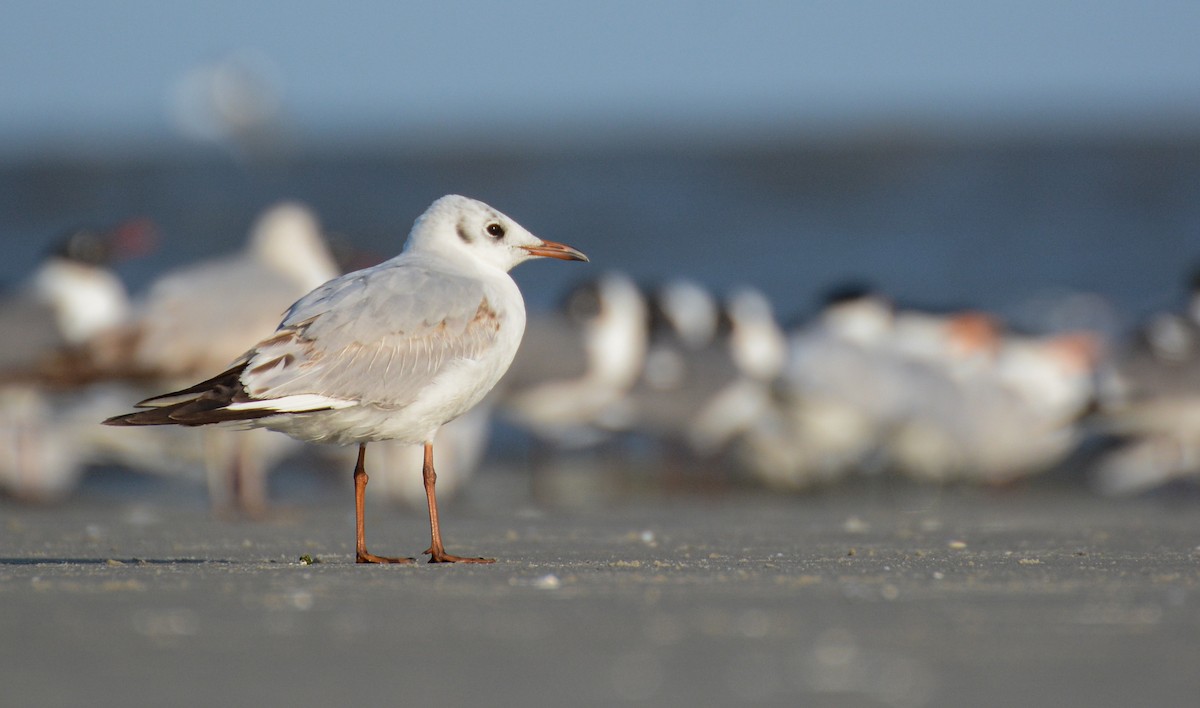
(987, 223)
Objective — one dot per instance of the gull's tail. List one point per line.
(206, 402)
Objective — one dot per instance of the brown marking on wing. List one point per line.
(279, 361)
(281, 337)
(486, 316)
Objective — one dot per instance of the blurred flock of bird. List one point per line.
(670, 384)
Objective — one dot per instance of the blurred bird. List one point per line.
(567, 388)
(1151, 402)
(757, 350)
(235, 102)
(72, 298)
(568, 382)
(37, 462)
(52, 437)
(707, 377)
(50, 325)
(209, 312)
(840, 388)
(936, 396)
(1014, 418)
(684, 319)
(195, 320)
(392, 352)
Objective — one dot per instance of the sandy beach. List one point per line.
(872, 597)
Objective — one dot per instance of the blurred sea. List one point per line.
(1006, 225)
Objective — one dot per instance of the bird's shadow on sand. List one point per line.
(111, 561)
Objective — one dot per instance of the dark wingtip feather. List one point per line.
(154, 416)
(226, 382)
(203, 404)
(118, 420)
(200, 404)
(200, 411)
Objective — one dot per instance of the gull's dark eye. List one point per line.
(495, 230)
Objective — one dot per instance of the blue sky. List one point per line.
(111, 72)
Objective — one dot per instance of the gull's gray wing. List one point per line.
(379, 336)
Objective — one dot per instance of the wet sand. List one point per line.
(857, 597)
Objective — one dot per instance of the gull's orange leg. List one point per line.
(436, 552)
(360, 543)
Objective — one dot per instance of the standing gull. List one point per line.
(391, 352)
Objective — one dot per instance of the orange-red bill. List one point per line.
(550, 249)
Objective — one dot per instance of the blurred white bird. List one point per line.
(684, 319)
(707, 377)
(1014, 418)
(1151, 402)
(37, 462)
(568, 389)
(53, 437)
(193, 317)
(757, 349)
(50, 327)
(193, 321)
(935, 396)
(569, 381)
(72, 299)
(839, 390)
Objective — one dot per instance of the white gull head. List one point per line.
(456, 225)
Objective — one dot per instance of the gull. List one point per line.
(390, 352)
(195, 319)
